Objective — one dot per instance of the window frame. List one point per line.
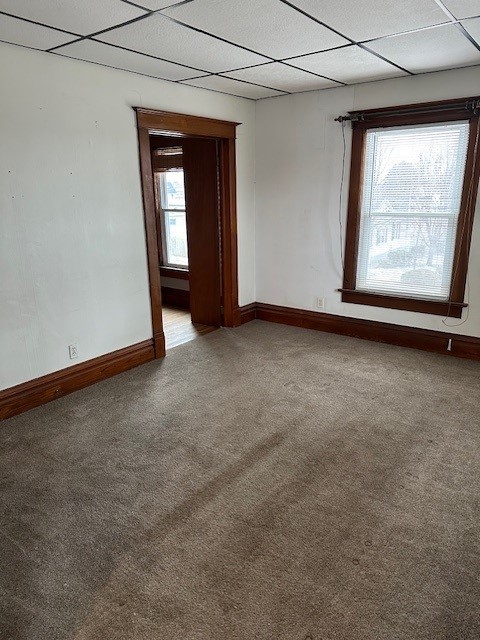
(164, 211)
(427, 113)
(170, 268)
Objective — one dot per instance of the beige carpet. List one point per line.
(262, 483)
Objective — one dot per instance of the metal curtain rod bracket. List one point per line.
(352, 117)
(474, 106)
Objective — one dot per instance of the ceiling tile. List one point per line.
(30, 35)
(282, 76)
(374, 18)
(77, 16)
(227, 85)
(429, 50)
(463, 8)
(104, 54)
(351, 64)
(473, 28)
(154, 5)
(163, 38)
(266, 26)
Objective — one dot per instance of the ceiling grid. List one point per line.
(254, 48)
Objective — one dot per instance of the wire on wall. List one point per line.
(340, 203)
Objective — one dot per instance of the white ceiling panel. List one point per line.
(159, 36)
(104, 54)
(154, 5)
(430, 50)
(77, 16)
(365, 19)
(30, 35)
(267, 26)
(463, 8)
(351, 64)
(281, 76)
(234, 87)
(473, 28)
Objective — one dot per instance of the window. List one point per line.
(381, 235)
(171, 206)
(396, 230)
(414, 178)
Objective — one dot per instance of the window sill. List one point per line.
(174, 272)
(446, 309)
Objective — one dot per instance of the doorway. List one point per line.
(188, 179)
(186, 313)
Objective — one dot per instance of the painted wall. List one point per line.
(298, 176)
(72, 247)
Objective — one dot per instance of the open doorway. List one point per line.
(172, 230)
(188, 179)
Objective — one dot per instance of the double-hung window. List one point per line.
(170, 197)
(413, 185)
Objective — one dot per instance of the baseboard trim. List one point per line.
(423, 339)
(176, 297)
(33, 393)
(248, 312)
(36, 392)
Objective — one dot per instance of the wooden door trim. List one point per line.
(181, 124)
(228, 240)
(161, 122)
(151, 239)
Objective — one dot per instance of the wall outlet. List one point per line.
(320, 303)
(73, 351)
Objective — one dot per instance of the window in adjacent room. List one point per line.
(414, 178)
(171, 202)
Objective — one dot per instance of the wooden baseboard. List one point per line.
(176, 297)
(248, 312)
(425, 339)
(54, 385)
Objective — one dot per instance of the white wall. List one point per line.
(72, 246)
(298, 168)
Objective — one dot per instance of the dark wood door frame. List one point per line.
(150, 122)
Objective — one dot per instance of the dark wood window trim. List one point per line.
(427, 113)
(171, 272)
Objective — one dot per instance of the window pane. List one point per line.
(411, 195)
(173, 196)
(176, 237)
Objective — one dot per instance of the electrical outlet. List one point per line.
(320, 303)
(73, 351)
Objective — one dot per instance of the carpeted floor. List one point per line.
(262, 483)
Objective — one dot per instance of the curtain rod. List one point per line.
(355, 116)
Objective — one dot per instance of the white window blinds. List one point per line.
(411, 192)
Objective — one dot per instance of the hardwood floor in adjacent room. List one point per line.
(178, 327)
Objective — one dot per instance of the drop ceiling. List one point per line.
(253, 48)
